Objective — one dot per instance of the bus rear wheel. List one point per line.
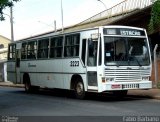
(29, 88)
(27, 83)
(79, 90)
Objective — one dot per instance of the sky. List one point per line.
(33, 17)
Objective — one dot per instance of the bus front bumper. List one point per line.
(112, 86)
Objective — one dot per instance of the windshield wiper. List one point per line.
(128, 62)
(137, 61)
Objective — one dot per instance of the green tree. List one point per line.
(155, 17)
(3, 5)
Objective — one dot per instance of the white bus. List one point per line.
(101, 59)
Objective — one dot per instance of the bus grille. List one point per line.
(127, 75)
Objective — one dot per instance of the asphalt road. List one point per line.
(15, 102)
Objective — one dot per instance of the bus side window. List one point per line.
(32, 50)
(83, 51)
(71, 47)
(24, 51)
(11, 53)
(56, 47)
(43, 48)
(92, 52)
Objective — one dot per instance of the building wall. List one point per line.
(3, 57)
(5, 41)
(3, 47)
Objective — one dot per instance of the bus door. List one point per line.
(92, 48)
(17, 63)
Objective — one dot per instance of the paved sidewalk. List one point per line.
(152, 93)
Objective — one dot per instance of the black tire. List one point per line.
(120, 93)
(79, 89)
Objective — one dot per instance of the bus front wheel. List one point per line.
(79, 90)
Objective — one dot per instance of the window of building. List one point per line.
(32, 50)
(56, 47)
(72, 45)
(43, 48)
(11, 53)
(1, 46)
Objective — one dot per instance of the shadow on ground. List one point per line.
(103, 97)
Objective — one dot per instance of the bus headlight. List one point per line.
(109, 79)
(145, 78)
(103, 80)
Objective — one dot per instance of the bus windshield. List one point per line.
(124, 51)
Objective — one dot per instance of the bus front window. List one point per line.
(121, 51)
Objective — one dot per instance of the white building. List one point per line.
(3, 57)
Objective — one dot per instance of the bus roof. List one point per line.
(70, 30)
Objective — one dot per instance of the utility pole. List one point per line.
(11, 21)
(55, 27)
(62, 16)
(155, 65)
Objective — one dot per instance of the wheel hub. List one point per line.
(79, 88)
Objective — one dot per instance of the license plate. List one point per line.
(130, 86)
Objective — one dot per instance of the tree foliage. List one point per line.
(3, 5)
(155, 17)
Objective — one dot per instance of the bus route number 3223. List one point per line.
(74, 63)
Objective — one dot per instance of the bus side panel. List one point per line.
(29, 67)
(72, 67)
(11, 74)
(49, 73)
(67, 81)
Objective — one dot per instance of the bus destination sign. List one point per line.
(123, 32)
(130, 33)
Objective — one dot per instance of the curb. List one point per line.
(12, 85)
(156, 97)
